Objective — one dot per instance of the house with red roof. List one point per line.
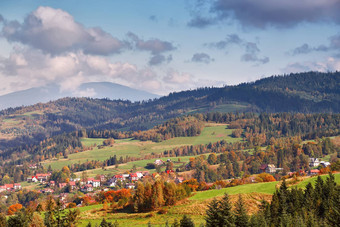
(62, 185)
(133, 177)
(2, 188)
(314, 172)
(96, 183)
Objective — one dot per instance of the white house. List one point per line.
(96, 183)
(314, 162)
(324, 164)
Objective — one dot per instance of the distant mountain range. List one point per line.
(52, 92)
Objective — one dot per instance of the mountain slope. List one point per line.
(303, 92)
(53, 92)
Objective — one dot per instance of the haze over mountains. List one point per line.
(53, 92)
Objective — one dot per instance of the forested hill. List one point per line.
(303, 92)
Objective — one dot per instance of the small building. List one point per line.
(90, 180)
(179, 180)
(102, 178)
(325, 164)
(313, 162)
(17, 186)
(42, 177)
(125, 176)
(271, 168)
(52, 183)
(62, 185)
(73, 185)
(47, 190)
(2, 188)
(130, 186)
(32, 179)
(9, 187)
(158, 162)
(314, 172)
(96, 183)
(87, 188)
(133, 177)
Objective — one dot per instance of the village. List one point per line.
(102, 183)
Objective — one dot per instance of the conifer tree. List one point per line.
(175, 224)
(186, 222)
(213, 213)
(241, 216)
(333, 216)
(227, 217)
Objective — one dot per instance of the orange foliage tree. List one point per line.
(14, 208)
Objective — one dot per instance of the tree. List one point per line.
(3, 221)
(37, 221)
(241, 217)
(14, 208)
(219, 213)
(213, 217)
(227, 218)
(186, 222)
(175, 224)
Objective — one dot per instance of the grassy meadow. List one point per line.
(135, 148)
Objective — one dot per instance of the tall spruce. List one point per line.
(241, 216)
(227, 217)
(186, 222)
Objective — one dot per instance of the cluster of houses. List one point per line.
(10, 187)
(132, 177)
(313, 162)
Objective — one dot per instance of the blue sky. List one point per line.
(163, 46)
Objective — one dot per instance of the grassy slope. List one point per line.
(136, 148)
(266, 188)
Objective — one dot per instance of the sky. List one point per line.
(163, 46)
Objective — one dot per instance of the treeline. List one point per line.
(59, 145)
(177, 127)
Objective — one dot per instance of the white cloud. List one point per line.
(55, 31)
(330, 64)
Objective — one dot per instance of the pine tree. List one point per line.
(175, 224)
(241, 217)
(227, 217)
(333, 216)
(186, 222)
(213, 217)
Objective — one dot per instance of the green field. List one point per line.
(312, 180)
(135, 148)
(266, 188)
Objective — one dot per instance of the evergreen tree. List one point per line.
(186, 222)
(213, 213)
(175, 224)
(333, 216)
(227, 217)
(241, 217)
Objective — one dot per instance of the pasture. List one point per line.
(135, 148)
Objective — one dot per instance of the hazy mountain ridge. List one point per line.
(53, 92)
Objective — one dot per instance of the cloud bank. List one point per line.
(265, 13)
